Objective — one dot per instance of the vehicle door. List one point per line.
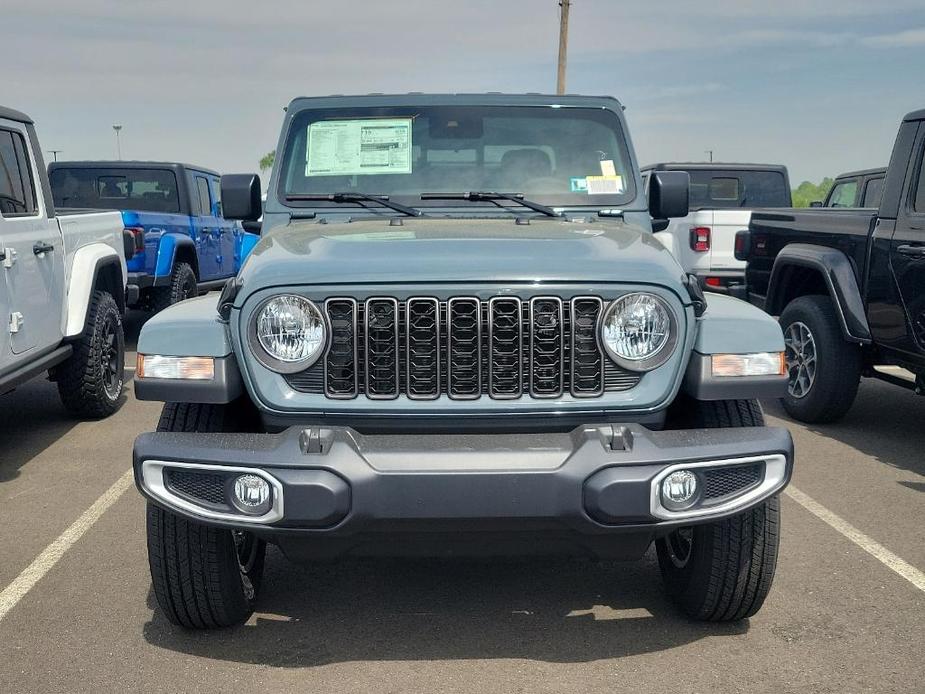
(907, 249)
(206, 227)
(32, 250)
(229, 230)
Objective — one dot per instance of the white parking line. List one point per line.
(869, 545)
(43, 563)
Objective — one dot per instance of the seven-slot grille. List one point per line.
(466, 348)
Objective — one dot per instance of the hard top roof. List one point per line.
(862, 172)
(12, 114)
(716, 165)
(103, 164)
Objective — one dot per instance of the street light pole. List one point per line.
(55, 153)
(564, 6)
(117, 128)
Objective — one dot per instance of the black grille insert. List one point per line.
(724, 481)
(202, 487)
(381, 348)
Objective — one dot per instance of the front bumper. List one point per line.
(337, 484)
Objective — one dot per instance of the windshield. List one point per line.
(726, 189)
(144, 190)
(555, 156)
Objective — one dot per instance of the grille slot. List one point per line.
(381, 348)
(422, 332)
(546, 347)
(199, 486)
(464, 348)
(504, 348)
(587, 362)
(721, 482)
(341, 375)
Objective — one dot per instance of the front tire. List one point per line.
(90, 382)
(182, 286)
(824, 369)
(203, 577)
(723, 571)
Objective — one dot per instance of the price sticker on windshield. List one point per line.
(359, 147)
(604, 185)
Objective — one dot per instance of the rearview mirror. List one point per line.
(669, 193)
(816, 203)
(241, 197)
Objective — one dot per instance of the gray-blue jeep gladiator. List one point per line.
(457, 336)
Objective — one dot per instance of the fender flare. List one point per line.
(88, 262)
(167, 254)
(840, 279)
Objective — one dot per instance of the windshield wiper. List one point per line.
(357, 198)
(493, 197)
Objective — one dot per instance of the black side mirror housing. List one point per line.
(816, 203)
(241, 197)
(669, 194)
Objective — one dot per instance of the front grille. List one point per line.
(198, 486)
(723, 481)
(465, 348)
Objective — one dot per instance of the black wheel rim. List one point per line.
(680, 546)
(111, 358)
(186, 291)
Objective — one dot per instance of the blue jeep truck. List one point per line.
(183, 243)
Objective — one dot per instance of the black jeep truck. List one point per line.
(848, 285)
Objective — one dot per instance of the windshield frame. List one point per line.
(361, 108)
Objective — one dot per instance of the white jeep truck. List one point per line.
(62, 283)
(722, 197)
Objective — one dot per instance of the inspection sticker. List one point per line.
(604, 185)
(578, 184)
(358, 147)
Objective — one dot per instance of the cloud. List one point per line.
(899, 39)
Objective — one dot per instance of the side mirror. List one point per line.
(816, 203)
(669, 193)
(241, 197)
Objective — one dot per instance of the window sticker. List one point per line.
(359, 147)
(578, 184)
(607, 168)
(604, 185)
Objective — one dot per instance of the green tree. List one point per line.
(808, 192)
(266, 161)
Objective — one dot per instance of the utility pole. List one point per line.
(54, 153)
(710, 153)
(563, 44)
(117, 128)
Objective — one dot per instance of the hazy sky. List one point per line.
(818, 85)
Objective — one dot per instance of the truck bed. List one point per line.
(846, 229)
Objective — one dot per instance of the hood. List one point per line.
(428, 250)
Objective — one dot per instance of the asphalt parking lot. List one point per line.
(839, 618)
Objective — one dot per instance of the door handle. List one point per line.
(913, 251)
(41, 248)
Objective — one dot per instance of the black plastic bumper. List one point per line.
(341, 485)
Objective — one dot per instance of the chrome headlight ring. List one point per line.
(287, 333)
(655, 322)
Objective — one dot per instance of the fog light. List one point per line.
(679, 490)
(252, 494)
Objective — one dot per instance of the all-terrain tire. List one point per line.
(91, 381)
(837, 363)
(182, 286)
(203, 577)
(722, 571)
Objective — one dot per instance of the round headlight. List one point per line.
(638, 331)
(289, 332)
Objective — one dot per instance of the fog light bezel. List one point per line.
(153, 482)
(775, 478)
